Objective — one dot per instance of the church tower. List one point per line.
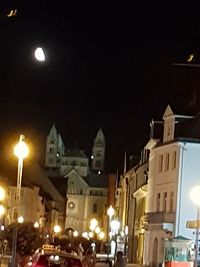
(54, 149)
(98, 152)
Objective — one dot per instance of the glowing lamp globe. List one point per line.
(21, 149)
(57, 229)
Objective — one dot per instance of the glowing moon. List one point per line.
(39, 54)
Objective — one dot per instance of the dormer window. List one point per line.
(168, 130)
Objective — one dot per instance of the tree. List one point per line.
(29, 238)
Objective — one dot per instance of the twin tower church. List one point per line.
(63, 160)
(87, 183)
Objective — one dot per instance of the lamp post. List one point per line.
(110, 213)
(2, 212)
(195, 196)
(115, 225)
(56, 230)
(21, 151)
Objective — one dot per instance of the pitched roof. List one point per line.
(75, 153)
(60, 184)
(33, 175)
(97, 180)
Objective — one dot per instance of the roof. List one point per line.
(75, 153)
(97, 180)
(61, 184)
(33, 175)
(100, 138)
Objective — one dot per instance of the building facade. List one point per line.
(87, 190)
(173, 172)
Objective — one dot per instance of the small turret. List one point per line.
(98, 151)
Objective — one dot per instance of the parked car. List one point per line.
(50, 256)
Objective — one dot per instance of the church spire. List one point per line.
(98, 151)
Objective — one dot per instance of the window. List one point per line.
(167, 162)
(94, 208)
(15, 214)
(160, 163)
(51, 150)
(165, 201)
(98, 163)
(174, 160)
(50, 160)
(168, 130)
(81, 191)
(98, 154)
(158, 202)
(171, 204)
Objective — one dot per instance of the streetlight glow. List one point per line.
(36, 224)
(93, 224)
(57, 229)
(110, 211)
(2, 210)
(21, 149)
(75, 233)
(101, 235)
(20, 219)
(2, 193)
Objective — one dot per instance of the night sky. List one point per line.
(108, 65)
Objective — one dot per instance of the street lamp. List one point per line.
(93, 224)
(21, 151)
(195, 196)
(110, 213)
(36, 224)
(56, 230)
(115, 225)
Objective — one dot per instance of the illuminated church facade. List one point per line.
(87, 184)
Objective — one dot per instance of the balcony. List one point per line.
(160, 217)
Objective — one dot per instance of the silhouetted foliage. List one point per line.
(28, 237)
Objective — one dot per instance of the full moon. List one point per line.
(39, 54)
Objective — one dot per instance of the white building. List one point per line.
(174, 169)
